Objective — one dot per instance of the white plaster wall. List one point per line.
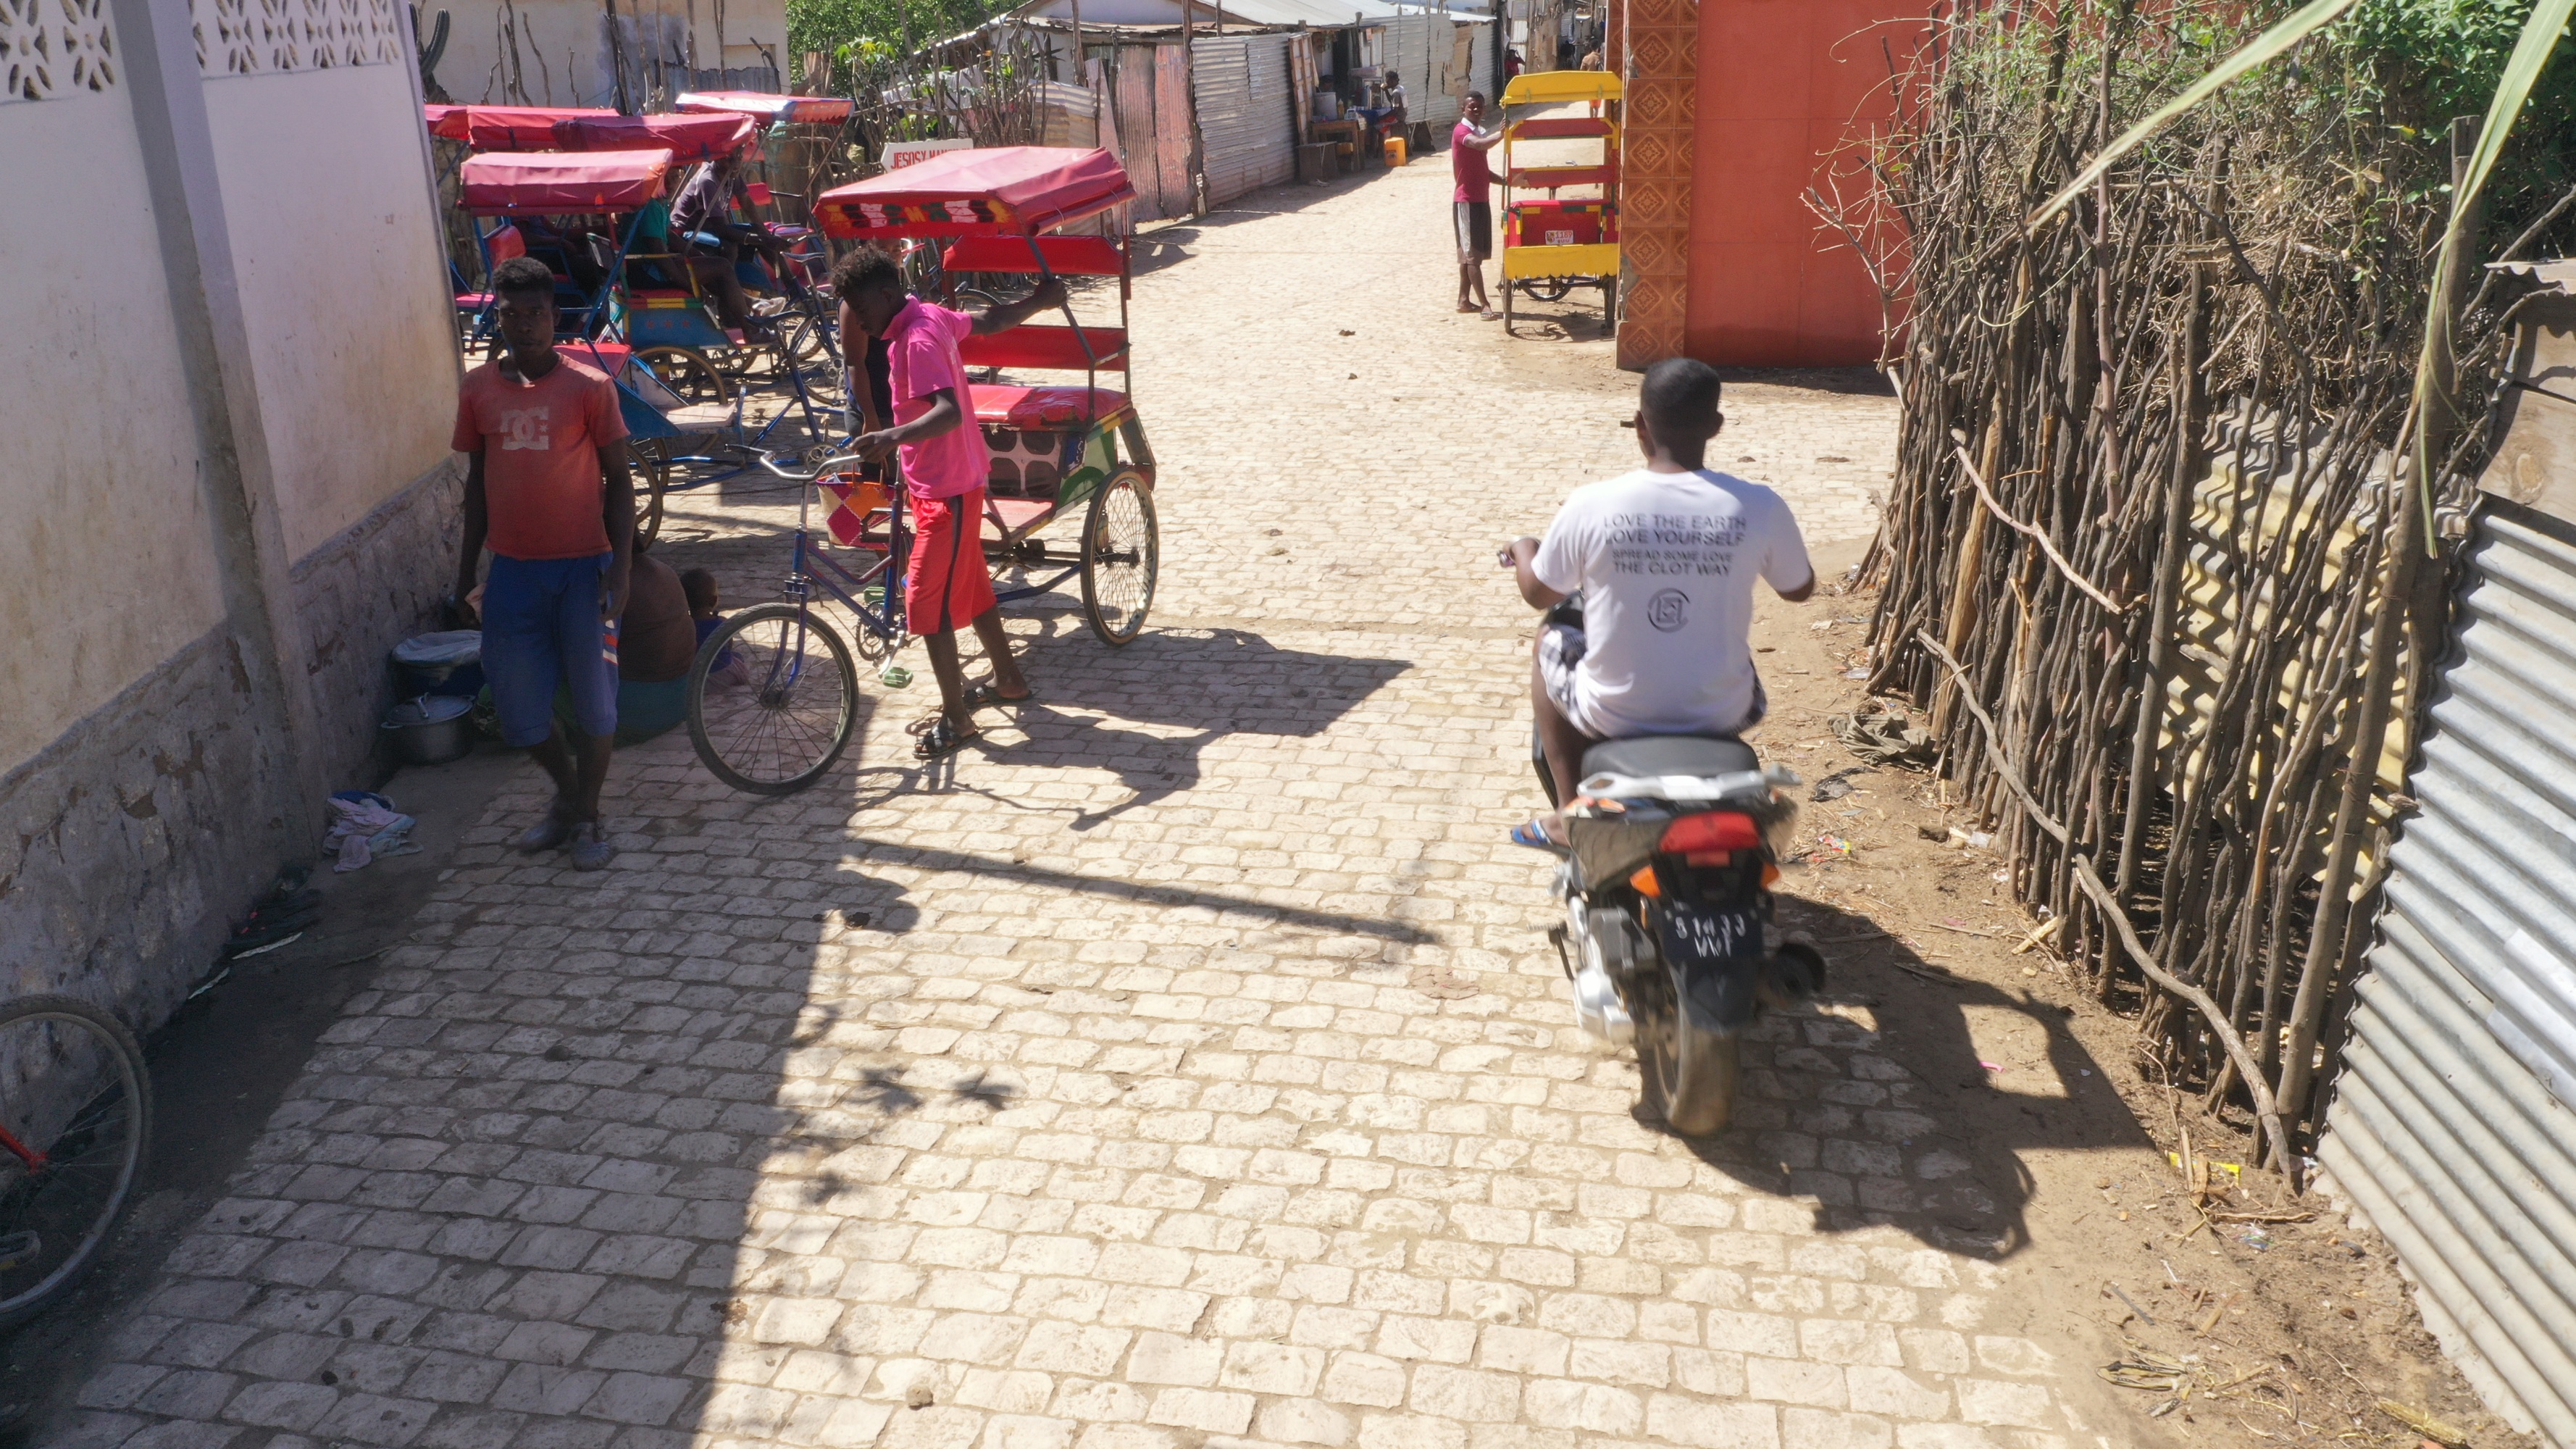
(566, 33)
(104, 567)
(352, 332)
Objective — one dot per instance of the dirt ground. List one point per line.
(2238, 1332)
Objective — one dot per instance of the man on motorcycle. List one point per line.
(1665, 560)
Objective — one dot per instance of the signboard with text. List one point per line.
(899, 154)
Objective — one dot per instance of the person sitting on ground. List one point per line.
(655, 647)
(707, 617)
(712, 243)
(1665, 559)
(546, 483)
(1471, 202)
(944, 465)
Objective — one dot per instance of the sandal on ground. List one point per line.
(1491, 315)
(978, 696)
(945, 738)
(1533, 833)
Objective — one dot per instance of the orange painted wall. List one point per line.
(1780, 84)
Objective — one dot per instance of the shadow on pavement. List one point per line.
(1909, 1125)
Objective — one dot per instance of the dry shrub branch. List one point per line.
(2144, 496)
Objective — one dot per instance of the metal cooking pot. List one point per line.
(430, 730)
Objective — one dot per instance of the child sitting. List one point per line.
(700, 586)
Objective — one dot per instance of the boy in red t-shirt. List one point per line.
(941, 451)
(546, 483)
(1471, 203)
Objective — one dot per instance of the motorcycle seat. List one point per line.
(1655, 755)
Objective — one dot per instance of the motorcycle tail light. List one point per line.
(1715, 830)
(1709, 857)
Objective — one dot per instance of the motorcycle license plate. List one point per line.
(1699, 933)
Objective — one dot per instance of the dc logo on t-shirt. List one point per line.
(529, 428)
(1668, 610)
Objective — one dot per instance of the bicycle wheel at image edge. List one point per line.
(1120, 552)
(1689, 1072)
(782, 710)
(76, 1104)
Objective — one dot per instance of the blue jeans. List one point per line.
(541, 628)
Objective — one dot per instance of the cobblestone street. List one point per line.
(1184, 1067)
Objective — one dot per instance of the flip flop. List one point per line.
(944, 739)
(1533, 833)
(978, 696)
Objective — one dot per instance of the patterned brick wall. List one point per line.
(1657, 43)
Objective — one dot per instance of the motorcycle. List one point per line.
(1672, 845)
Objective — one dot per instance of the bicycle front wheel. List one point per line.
(773, 698)
(75, 1118)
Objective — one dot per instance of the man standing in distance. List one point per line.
(1471, 202)
(934, 436)
(546, 484)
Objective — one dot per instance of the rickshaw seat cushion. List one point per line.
(1043, 409)
(1044, 347)
(505, 244)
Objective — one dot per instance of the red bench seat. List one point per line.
(1042, 409)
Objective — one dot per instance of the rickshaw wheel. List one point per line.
(1119, 555)
(691, 375)
(803, 347)
(789, 707)
(650, 461)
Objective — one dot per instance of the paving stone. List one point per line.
(1184, 1065)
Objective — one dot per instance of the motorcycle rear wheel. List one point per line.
(1690, 1072)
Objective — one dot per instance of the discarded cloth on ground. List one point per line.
(365, 825)
(1884, 739)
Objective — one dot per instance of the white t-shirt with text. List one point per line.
(1666, 563)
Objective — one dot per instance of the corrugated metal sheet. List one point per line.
(1241, 85)
(2452, 1127)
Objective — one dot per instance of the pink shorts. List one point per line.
(947, 586)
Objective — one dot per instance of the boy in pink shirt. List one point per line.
(944, 462)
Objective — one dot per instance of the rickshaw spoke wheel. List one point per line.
(1119, 556)
(650, 461)
(804, 344)
(782, 708)
(705, 398)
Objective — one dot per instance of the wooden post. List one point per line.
(2409, 496)
(1081, 73)
(2191, 409)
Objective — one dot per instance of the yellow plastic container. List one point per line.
(1395, 151)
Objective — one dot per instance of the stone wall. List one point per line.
(365, 591)
(125, 846)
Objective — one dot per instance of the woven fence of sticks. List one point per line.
(2145, 561)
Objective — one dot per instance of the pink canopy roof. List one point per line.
(503, 128)
(688, 138)
(978, 193)
(552, 183)
(766, 105)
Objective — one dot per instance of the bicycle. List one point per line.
(75, 1122)
(794, 698)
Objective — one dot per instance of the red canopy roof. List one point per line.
(764, 104)
(503, 128)
(978, 193)
(555, 183)
(688, 138)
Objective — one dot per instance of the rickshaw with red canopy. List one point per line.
(1058, 448)
(507, 187)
